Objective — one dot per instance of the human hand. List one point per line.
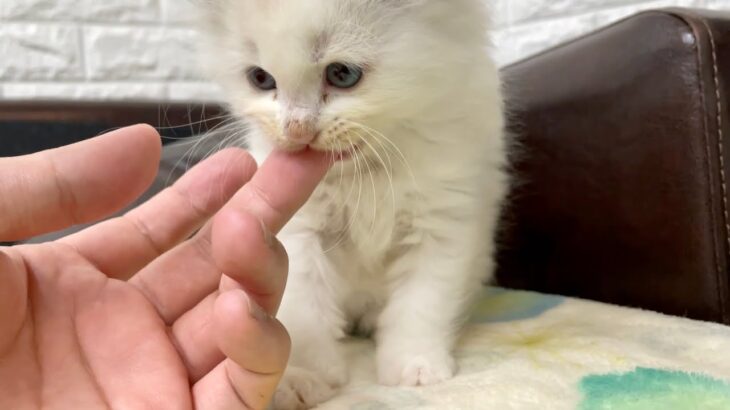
(75, 333)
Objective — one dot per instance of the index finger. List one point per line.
(282, 185)
(83, 182)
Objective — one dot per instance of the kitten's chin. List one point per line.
(340, 155)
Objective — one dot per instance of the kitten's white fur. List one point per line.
(399, 240)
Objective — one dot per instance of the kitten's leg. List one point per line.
(315, 323)
(433, 286)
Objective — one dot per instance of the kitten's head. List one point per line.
(338, 74)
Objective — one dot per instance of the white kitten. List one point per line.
(398, 238)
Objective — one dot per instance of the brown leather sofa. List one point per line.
(621, 158)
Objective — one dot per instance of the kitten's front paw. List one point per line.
(301, 389)
(415, 369)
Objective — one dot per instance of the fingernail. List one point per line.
(227, 284)
(268, 236)
(256, 311)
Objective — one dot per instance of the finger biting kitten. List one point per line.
(397, 240)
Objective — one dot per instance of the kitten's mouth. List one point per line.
(341, 156)
(338, 155)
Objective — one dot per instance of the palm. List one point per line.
(90, 340)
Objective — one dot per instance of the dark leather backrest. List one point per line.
(32, 126)
(622, 165)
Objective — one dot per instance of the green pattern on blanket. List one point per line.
(502, 305)
(649, 389)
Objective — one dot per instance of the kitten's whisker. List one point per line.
(343, 208)
(388, 172)
(377, 137)
(376, 134)
(351, 220)
(350, 149)
(331, 154)
(337, 189)
(385, 151)
(194, 139)
(372, 183)
(342, 169)
(203, 121)
(190, 113)
(360, 173)
(389, 168)
(234, 128)
(198, 141)
(219, 146)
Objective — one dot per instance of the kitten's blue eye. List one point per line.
(259, 78)
(343, 76)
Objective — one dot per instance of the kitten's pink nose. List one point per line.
(300, 132)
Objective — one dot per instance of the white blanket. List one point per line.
(524, 350)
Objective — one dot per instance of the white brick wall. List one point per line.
(98, 49)
(143, 49)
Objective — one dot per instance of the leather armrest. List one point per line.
(622, 163)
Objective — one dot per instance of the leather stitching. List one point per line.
(721, 155)
(707, 162)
